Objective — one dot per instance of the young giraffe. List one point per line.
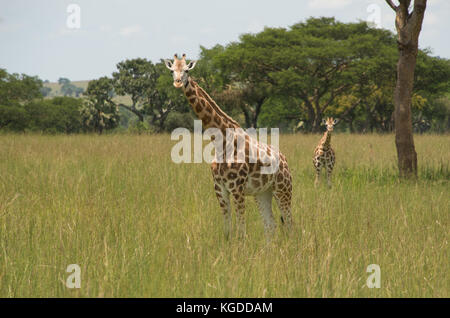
(241, 177)
(324, 154)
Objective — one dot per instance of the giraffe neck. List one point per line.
(206, 108)
(326, 139)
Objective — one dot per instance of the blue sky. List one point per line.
(36, 40)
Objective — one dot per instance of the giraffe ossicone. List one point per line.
(239, 178)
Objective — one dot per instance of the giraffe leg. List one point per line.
(239, 203)
(329, 171)
(318, 168)
(224, 200)
(283, 197)
(264, 202)
(283, 200)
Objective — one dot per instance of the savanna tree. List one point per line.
(313, 63)
(408, 24)
(136, 78)
(99, 112)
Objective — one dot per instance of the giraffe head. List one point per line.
(330, 122)
(180, 69)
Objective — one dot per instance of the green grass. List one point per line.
(141, 226)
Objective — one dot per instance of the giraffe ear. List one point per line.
(335, 121)
(191, 65)
(323, 122)
(168, 64)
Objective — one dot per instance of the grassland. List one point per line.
(141, 226)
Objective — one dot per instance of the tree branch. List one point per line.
(333, 95)
(133, 110)
(343, 115)
(391, 4)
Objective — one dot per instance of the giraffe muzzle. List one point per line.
(178, 83)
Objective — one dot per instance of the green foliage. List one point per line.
(176, 120)
(312, 62)
(13, 118)
(320, 67)
(278, 112)
(281, 77)
(137, 79)
(150, 88)
(23, 109)
(98, 111)
(15, 88)
(140, 127)
(63, 81)
(56, 115)
(45, 91)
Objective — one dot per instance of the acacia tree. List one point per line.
(408, 24)
(163, 99)
(150, 89)
(135, 78)
(99, 112)
(18, 88)
(313, 62)
(15, 91)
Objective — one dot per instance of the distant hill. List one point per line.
(56, 91)
(56, 87)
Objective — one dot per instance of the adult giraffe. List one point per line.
(247, 173)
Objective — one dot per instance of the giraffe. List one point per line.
(233, 181)
(323, 154)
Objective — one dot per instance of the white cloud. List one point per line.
(130, 30)
(328, 4)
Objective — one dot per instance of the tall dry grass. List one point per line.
(141, 226)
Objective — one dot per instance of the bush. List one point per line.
(57, 115)
(13, 118)
(176, 120)
(139, 127)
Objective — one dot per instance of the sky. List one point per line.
(54, 38)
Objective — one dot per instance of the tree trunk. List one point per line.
(316, 123)
(404, 141)
(408, 25)
(248, 121)
(257, 112)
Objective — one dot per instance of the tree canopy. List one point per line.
(280, 77)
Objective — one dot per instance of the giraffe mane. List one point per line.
(216, 108)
